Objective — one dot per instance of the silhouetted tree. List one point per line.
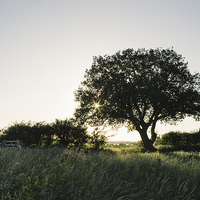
(28, 133)
(64, 132)
(98, 138)
(138, 88)
(69, 133)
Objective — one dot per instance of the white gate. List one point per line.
(11, 144)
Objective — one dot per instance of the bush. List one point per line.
(27, 133)
(171, 138)
(187, 139)
(63, 132)
(196, 137)
(69, 133)
(97, 138)
(181, 139)
(47, 135)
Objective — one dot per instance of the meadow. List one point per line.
(112, 174)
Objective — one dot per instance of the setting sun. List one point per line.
(96, 105)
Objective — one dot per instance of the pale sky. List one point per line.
(46, 46)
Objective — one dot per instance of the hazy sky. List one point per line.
(46, 46)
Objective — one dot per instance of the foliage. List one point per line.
(68, 133)
(27, 133)
(47, 136)
(140, 147)
(64, 132)
(65, 174)
(186, 148)
(97, 138)
(177, 138)
(138, 88)
(171, 138)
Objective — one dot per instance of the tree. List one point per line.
(70, 133)
(98, 138)
(28, 133)
(138, 89)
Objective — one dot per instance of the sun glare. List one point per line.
(96, 105)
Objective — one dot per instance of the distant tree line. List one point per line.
(182, 141)
(66, 133)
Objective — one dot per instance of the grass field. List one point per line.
(107, 175)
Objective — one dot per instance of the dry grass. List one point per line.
(65, 174)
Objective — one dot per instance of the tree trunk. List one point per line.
(153, 134)
(148, 143)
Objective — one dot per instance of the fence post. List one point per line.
(18, 145)
(4, 143)
(159, 164)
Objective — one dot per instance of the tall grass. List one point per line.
(73, 175)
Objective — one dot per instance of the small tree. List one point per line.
(97, 138)
(171, 138)
(69, 132)
(28, 133)
(66, 132)
(47, 135)
(177, 138)
(138, 89)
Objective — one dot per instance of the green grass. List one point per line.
(74, 175)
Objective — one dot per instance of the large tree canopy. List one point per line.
(138, 88)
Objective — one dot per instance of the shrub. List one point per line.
(64, 132)
(27, 133)
(181, 141)
(171, 138)
(196, 137)
(187, 139)
(69, 133)
(97, 138)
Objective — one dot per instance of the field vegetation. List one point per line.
(110, 174)
(67, 163)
